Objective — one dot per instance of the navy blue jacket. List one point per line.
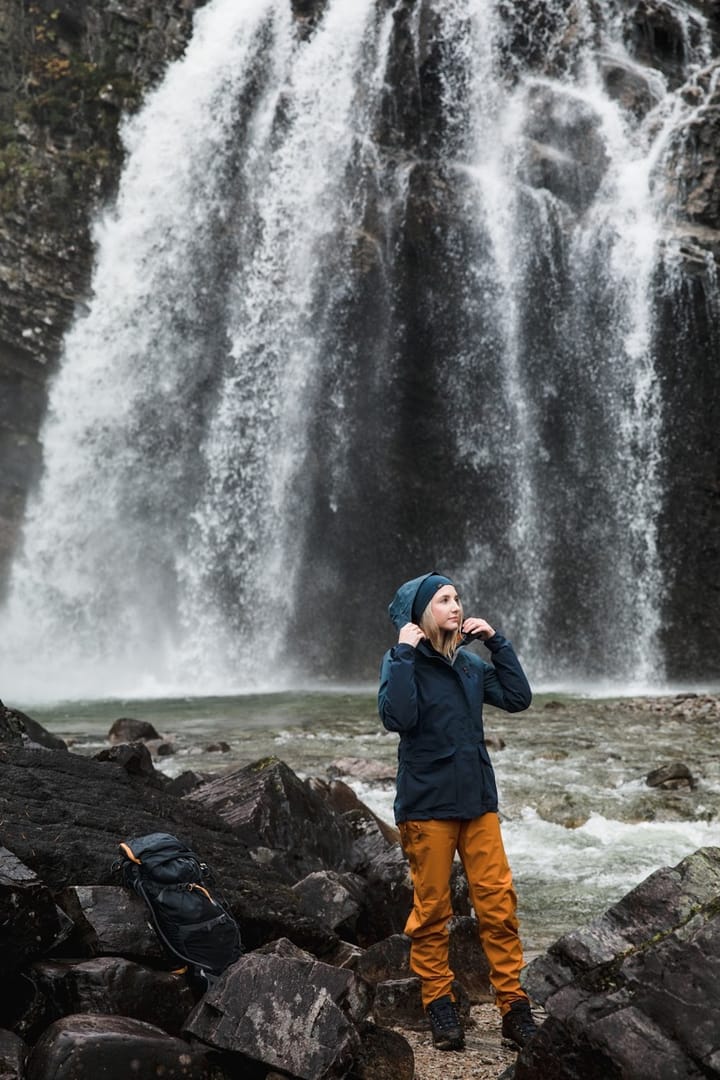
(444, 770)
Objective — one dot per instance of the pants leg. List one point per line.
(491, 891)
(430, 847)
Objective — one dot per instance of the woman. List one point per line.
(432, 692)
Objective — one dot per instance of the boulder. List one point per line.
(357, 997)
(390, 896)
(383, 1055)
(390, 887)
(468, 961)
(51, 822)
(110, 921)
(370, 840)
(634, 994)
(31, 921)
(267, 805)
(345, 954)
(134, 757)
(115, 1048)
(128, 730)
(185, 782)
(16, 727)
(398, 1003)
(343, 799)
(389, 960)
(13, 1052)
(285, 1012)
(108, 985)
(336, 899)
(671, 777)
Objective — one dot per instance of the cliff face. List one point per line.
(67, 75)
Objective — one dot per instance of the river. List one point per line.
(581, 825)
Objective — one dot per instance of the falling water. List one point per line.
(375, 295)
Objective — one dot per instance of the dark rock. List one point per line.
(539, 36)
(389, 885)
(391, 893)
(343, 799)
(115, 1048)
(634, 992)
(128, 730)
(49, 805)
(385, 960)
(108, 985)
(187, 781)
(110, 921)
(494, 742)
(267, 805)
(60, 156)
(284, 1012)
(133, 757)
(370, 839)
(468, 961)
(673, 776)
(398, 1003)
(693, 167)
(336, 899)
(383, 1055)
(356, 1002)
(565, 150)
(346, 954)
(17, 727)
(285, 948)
(31, 921)
(390, 960)
(13, 1052)
(163, 748)
(630, 87)
(659, 35)
(217, 748)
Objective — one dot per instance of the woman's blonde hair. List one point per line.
(443, 641)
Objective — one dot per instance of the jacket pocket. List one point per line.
(429, 783)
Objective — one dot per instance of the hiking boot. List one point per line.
(518, 1025)
(445, 1024)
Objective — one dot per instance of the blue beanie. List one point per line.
(425, 593)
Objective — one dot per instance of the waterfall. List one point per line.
(376, 294)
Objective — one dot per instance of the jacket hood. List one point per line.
(401, 606)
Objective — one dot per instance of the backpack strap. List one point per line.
(128, 852)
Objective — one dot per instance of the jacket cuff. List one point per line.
(497, 641)
(402, 651)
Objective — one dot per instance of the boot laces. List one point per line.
(444, 1013)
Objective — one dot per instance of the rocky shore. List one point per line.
(320, 890)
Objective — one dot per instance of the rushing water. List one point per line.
(372, 296)
(580, 824)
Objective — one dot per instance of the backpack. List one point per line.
(191, 921)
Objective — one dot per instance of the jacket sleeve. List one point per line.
(397, 696)
(506, 684)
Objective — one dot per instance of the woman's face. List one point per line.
(446, 608)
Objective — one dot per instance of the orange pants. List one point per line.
(430, 847)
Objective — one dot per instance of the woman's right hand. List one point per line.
(411, 634)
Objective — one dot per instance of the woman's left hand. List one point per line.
(478, 628)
